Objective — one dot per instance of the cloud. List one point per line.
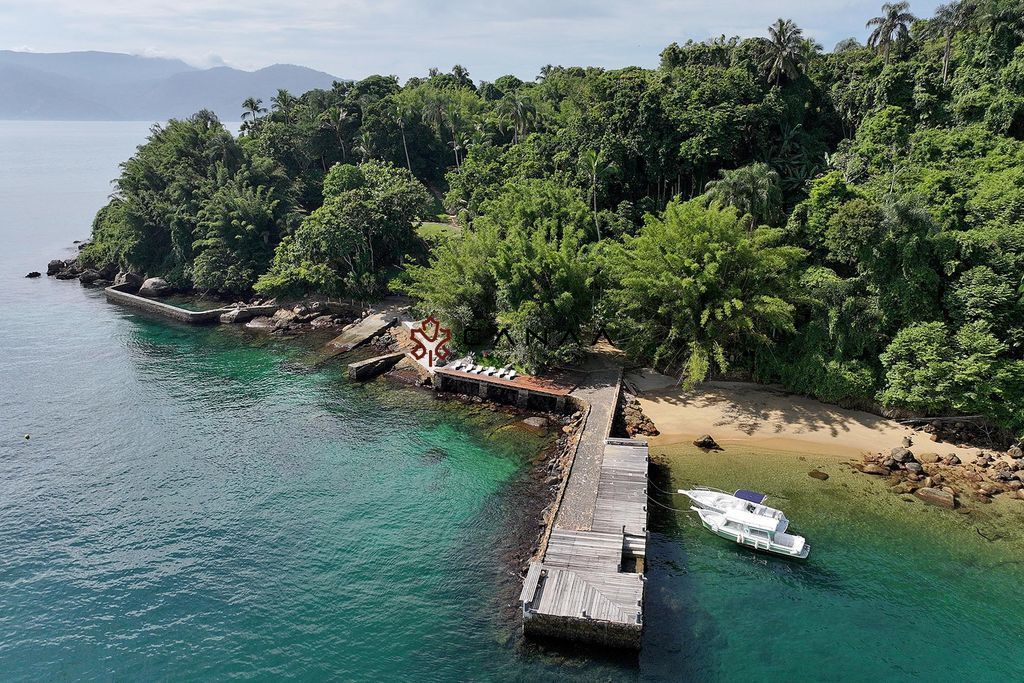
(353, 38)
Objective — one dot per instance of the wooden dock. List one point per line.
(588, 584)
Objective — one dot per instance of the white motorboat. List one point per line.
(742, 517)
(754, 531)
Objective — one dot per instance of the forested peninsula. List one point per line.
(849, 224)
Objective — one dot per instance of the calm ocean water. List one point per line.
(204, 504)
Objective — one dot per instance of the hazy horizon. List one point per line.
(356, 38)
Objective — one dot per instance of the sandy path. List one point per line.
(757, 416)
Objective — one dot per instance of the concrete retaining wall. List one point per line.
(589, 631)
(118, 295)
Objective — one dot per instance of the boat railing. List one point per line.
(709, 488)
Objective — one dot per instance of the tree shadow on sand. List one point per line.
(754, 408)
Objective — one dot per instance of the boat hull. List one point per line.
(754, 544)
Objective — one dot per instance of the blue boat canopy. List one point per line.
(752, 496)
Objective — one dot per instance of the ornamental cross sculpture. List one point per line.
(431, 341)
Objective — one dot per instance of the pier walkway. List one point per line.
(588, 584)
(387, 315)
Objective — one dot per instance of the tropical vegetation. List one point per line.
(849, 224)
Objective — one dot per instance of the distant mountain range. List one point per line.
(107, 86)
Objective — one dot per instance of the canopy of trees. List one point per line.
(850, 224)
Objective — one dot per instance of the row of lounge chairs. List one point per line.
(501, 373)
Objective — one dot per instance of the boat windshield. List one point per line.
(752, 496)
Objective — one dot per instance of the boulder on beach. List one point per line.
(155, 286)
(34, 273)
(707, 443)
(1015, 452)
(901, 455)
(874, 468)
(929, 458)
(914, 467)
(939, 497)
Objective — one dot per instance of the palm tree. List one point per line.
(948, 21)
(334, 119)
(892, 27)
(364, 146)
(516, 112)
(283, 102)
(253, 107)
(454, 119)
(785, 51)
(753, 189)
(404, 112)
(596, 167)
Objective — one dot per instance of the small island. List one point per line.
(782, 247)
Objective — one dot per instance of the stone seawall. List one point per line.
(117, 294)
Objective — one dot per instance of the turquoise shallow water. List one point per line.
(204, 504)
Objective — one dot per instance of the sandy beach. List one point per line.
(754, 416)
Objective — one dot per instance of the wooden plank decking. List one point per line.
(578, 590)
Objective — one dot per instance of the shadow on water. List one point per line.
(670, 606)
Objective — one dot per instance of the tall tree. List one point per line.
(516, 112)
(253, 107)
(785, 51)
(335, 119)
(283, 103)
(893, 27)
(949, 20)
(596, 167)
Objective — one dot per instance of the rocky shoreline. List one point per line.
(943, 479)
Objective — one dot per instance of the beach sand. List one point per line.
(753, 417)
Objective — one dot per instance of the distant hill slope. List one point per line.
(111, 86)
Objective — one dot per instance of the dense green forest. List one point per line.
(848, 223)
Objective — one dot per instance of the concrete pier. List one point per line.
(588, 584)
(524, 391)
(371, 367)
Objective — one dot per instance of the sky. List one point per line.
(356, 38)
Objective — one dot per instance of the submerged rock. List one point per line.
(939, 497)
(536, 423)
(34, 273)
(707, 443)
(155, 286)
(818, 474)
(261, 322)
